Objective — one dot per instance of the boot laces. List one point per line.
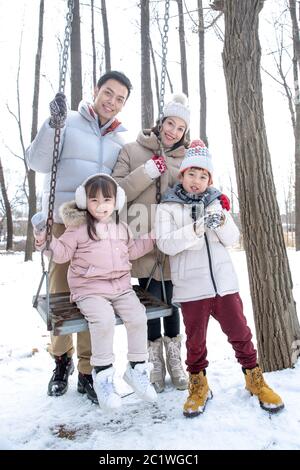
(196, 386)
(174, 359)
(154, 358)
(107, 386)
(257, 378)
(141, 377)
(60, 370)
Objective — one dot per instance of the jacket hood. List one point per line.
(210, 195)
(71, 215)
(148, 139)
(86, 110)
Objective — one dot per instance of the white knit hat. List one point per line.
(198, 156)
(178, 107)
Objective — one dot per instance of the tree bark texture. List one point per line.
(8, 212)
(296, 43)
(35, 109)
(183, 61)
(202, 87)
(277, 326)
(106, 36)
(76, 69)
(146, 87)
(94, 56)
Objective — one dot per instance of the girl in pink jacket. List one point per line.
(99, 250)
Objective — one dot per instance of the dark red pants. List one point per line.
(228, 311)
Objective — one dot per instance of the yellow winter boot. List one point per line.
(199, 393)
(255, 384)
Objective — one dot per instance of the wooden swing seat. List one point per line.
(66, 317)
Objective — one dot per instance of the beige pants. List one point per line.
(64, 344)
(100, 313)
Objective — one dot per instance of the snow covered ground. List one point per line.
(29, 419)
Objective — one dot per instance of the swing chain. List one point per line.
(162, 90)
(160, 258)
(164, 61)
(62, 82)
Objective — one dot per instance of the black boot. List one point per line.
(85, 385)
(58, 384)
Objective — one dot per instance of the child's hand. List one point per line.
(214, 220)
(225, 202)
(40, 237)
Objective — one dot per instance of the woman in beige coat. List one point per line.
(138, 169)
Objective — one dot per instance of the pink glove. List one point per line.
(156, 166)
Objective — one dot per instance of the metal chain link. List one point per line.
(162, 90)
(160, 257)
(62, 83)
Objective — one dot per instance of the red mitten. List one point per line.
(197, 143)
(160, 163)
(225, 202)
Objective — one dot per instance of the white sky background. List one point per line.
(125, 51)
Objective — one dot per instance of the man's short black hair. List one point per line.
(118, 76)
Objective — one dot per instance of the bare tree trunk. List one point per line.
(35, 108)
(146, 88)
(296, 43)
(277, 326)
(8, 212)
(94, 57)
(296, 38)
(76, 69)
(106, 36)
(155, 73)
(183, 61)
(202, 87)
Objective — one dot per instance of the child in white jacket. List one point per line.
(194, 230)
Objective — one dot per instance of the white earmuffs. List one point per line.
(80, 193)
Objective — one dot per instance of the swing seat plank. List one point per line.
(66, 317)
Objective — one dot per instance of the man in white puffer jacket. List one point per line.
(91, 139)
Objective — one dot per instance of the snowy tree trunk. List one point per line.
(8, 212)
(296, 43)
(106, 36)
(202, 87)
(35, 109)
(277, 326)
(183, 61)
(146, 88)
(76, 70)
(94, 55)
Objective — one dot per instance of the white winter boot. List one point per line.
(174, 365)
(156, 357)
(139, 380)
(105, 390)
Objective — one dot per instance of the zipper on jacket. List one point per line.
(210, 264)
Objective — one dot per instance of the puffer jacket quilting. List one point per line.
(192, 275)
(96, 266)
(85, 149)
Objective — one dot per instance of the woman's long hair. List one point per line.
(108, 189)
(183, 141)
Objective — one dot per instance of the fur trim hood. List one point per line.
(71, 215)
